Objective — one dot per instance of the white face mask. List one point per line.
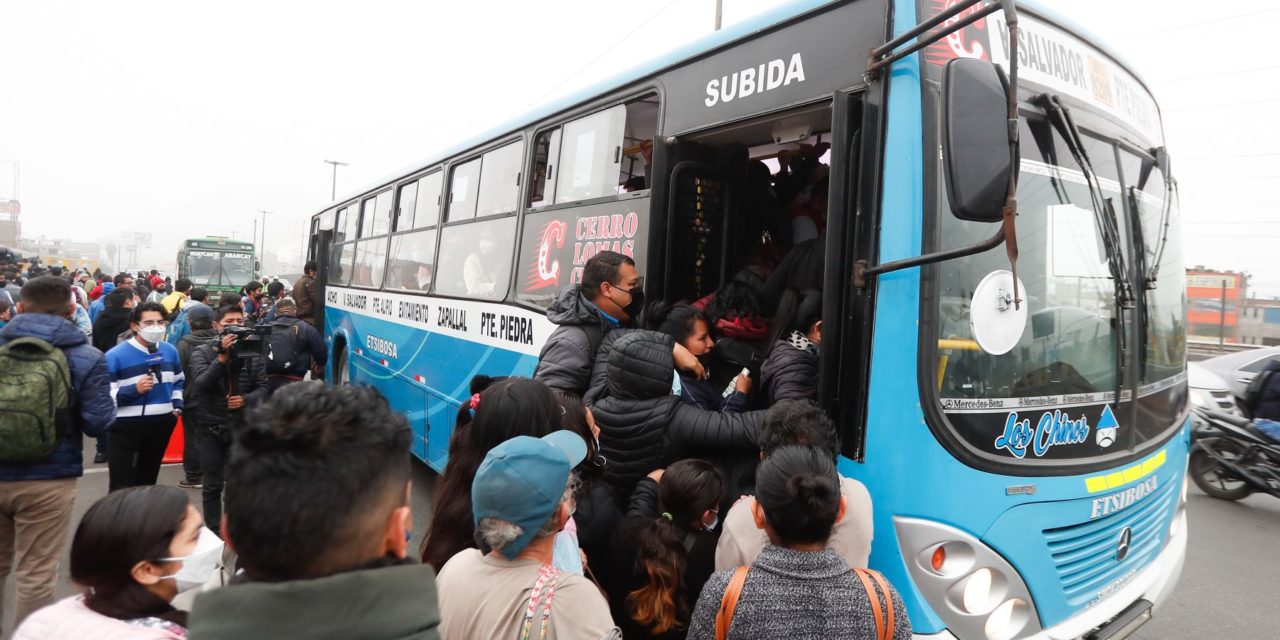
(198, 567)
(153, 334)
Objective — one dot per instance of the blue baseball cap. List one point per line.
(522, 481)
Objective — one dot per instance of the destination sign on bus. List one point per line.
(223, 245)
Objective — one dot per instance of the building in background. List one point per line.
(1213, 304)
(66, 253)
(10, 223)
(1260, 322)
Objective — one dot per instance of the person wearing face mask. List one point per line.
(522, 496)
(665, 549)
(479, 265)
(610, 296)
(134, 551)
(318, 513)
(790, 370)
(147, 382)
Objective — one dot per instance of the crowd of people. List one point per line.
(631, 488)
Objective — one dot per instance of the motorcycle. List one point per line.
(1231, 458)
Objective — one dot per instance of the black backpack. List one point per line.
(281, 354)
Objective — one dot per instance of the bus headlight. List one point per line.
(1007, 619)
(975, 591)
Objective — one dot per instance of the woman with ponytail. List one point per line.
(790, 371)
(508, 408)
(798, 587)
(664, 550)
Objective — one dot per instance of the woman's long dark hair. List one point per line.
(676, 320)
(796, 312)
(799, 491)
(574, 419)
(509, 408)
(116, 533)
(687, 490)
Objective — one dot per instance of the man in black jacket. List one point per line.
(222, 387)
(200, 319)
(114, 319)
(611, 296)
(301, 348)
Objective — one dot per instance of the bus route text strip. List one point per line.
(1000, 405)
(489, 323)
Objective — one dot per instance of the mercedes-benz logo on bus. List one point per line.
(1122, 548)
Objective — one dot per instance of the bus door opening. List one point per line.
(746, 213)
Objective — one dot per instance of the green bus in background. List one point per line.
(218, 264)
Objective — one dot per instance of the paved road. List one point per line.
(1228, 587)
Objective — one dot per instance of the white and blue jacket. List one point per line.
(127, 363)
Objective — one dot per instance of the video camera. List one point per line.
(249, 342)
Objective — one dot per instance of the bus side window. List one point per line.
(546, 160)
(637, 144)
(475, 259)
(463, 185)
(413, 265)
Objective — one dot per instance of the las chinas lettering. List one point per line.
(1054, 428)
(752, 80)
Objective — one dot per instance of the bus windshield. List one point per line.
(1066, 357)
(219, 268)
(1069, 344)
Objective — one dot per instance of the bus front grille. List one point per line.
(1086, 554)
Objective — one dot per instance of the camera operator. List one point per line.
(294, 348)
(225, 380)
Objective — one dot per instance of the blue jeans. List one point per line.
(1269, 427)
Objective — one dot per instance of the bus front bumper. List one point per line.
(1153, 584)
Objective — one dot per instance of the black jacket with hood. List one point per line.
(643, 427)
(565, 361)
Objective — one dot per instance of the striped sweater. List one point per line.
(128, 363)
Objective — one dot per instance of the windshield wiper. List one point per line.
(1103, 209)
(1151, 278)
(1105, 216)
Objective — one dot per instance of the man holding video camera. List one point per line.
(226, 377)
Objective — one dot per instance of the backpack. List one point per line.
(281, 349)
(1256, 388)
(178, 327)
(35, 399)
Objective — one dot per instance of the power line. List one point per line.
(602, 54)
(1193, 25)
(1231, 222)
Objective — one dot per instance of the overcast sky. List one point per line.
(185, 119)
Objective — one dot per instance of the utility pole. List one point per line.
(333, 194)
(262, 250)
(1222, 317)
(719, 12)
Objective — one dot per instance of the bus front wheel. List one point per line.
(341, 373)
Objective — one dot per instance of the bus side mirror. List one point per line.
(976, 150)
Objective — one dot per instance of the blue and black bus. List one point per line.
(1022, 426)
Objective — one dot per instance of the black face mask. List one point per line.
(636, 305)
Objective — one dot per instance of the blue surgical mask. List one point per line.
(675, 383)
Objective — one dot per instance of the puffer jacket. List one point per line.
(789, 373)
(1268, 402)
(643, 427)
(108, 327)
(565, 361)
(208, 385)
(94, 411)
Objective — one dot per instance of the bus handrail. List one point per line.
(878, 62)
